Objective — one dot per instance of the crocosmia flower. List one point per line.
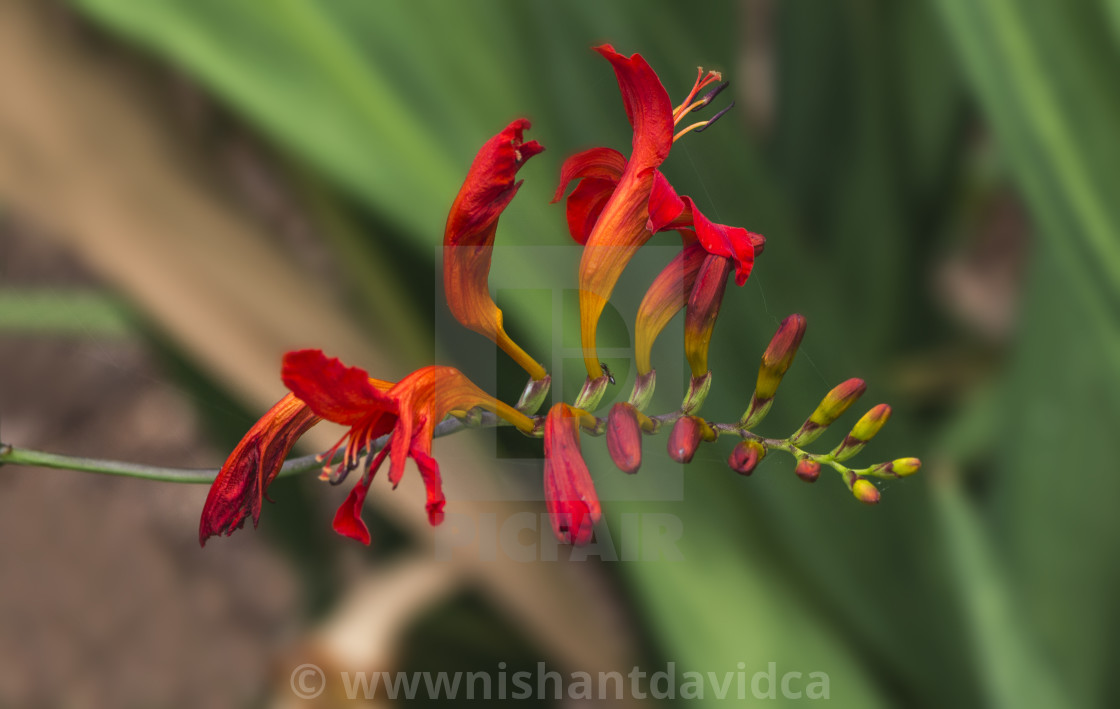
(409, 411)
(619, 203)
(468, 240)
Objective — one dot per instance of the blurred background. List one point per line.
(190, 188)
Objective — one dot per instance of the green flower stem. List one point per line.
(201, 476)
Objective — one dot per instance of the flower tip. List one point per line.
(865, 492)
(808, 470)
(905, 466)
(745, 456)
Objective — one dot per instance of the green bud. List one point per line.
(697, 391)
(643, 390)
(865, 491)
(536, 391)
(592, 393)
(834, 404)
(864, 430)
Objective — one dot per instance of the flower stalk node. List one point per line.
(534, 395)
(698, 388)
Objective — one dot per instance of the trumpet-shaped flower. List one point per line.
(468, 240)
(621, 202)
(409, 412)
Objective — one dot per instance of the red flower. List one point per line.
(619, 203)
(468, 240)
(409, 411)
(324, 388)
(569, 492)
(240, 487)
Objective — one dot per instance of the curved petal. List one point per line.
(600, 163)
(429, 471)
(666, 209)
(489, 186)
(334, 391)
(348, 519)
(238, 490)
(735, 243)
(621, 227)
(585, 204)
(647, 106)
(468, 238)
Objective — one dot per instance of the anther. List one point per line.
(707, 124)
(707, 98)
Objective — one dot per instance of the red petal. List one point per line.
(489, 186)
(348, 519)
(735, 243)
(600, 163)
(647, 106)
(585, 204)
(429, 471)
(665, 207)
(239, 489)
(334, 391)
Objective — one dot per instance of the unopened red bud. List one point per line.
(745, 456)
(834, 404)
(779, 355)
(865, 491)
(775, 362)
(685, 437)
(808, 470)
(624, 437)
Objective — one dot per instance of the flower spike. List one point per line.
(468, 241)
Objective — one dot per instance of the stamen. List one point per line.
(708, 123)
(696, 106)
(702, 126)
(702, 80)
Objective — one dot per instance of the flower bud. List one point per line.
(624, 437)
(703, 309)
(644, 385)
(698, 389)
(592, 393)
(536, 391)
(865, 491)
(808, 470)
(686, 435)
(864, 430)
(745, 456)
(834, 404)
(905, 466)
(775, 362)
